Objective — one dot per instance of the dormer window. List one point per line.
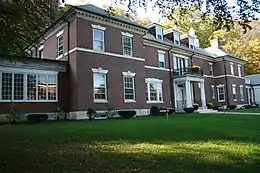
(176, 38)
(159, 33)
(191, 43)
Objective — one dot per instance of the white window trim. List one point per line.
(41, 47)
(129, 74)
(234, 86)
(100, 71)
(159, 28)
(213, 89)
(239, 70)
(162, 53)
(98, 27)
(191, 42)
(241, 86)
(131, 46)
(127, 34)
(59, 33)
(232, 70)
(218, 86)
(178, 35)
(211, 65)
(153, 80)
(103, 32)
(26, 72)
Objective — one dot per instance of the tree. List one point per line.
(218, 9)
(125, 14)
(249, 51)
(204, 28)
(22, 21)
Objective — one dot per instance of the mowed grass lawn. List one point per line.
(251, 110)
(186, 144)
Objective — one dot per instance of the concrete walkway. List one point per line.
(236, 113)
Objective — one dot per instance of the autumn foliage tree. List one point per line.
(21, 21)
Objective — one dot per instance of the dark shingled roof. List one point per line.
(102, 12)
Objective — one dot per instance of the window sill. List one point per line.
(59, 57)
(242, 100)
(154, 102)
(235, 100)
(130, 101)
(100, 101)
(221, 101)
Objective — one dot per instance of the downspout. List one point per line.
(225, 73)
(68, 72)
(171, 79)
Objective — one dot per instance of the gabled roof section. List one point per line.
(102, 12)
(254, 79)
(170, 43)
(219, 53)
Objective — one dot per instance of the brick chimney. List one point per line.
(215, 43)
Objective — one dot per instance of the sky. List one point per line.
(152, 14)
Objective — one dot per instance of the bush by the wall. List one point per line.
(127, 114)
(91, 114)
(231, 107)
(248, 106)
(155, 111)
(189, 110)
(37, 118)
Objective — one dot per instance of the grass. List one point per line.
(251, 110)
(185, 144)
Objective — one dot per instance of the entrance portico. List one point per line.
(183, 92)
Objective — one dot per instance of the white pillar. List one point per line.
(203, 97)
(248, 96)
(175, 93)
(188, 94)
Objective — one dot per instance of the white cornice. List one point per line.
(99, 70)
(157, 45)
(109, 22)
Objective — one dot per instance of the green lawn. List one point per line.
(185, 144)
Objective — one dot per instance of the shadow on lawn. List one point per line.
(82, 157)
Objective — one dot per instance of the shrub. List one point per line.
(189, 110)
(248, 106)
(209, 105)
(91, 114)
(231, 107)
(257, 105)
(155, 111)
(110, 112)
(196, 106)
(214, 108)
(37, 118)
(127, 114)
(14, 116)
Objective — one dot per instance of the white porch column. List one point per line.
(248, 96)
(175, 93)
(203, 97)
(188, 94)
